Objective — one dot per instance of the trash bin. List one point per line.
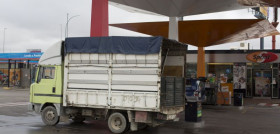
(238, 99)
(193, 111)
(243, 91)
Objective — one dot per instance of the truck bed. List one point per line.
(113, 81)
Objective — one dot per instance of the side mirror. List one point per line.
(36, 66)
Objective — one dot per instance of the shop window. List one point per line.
(249, 82)
(191, 70)
(275, 65)
(20, 65)
(275, 78)
(261, 66)
(221, 71)
(249, 65)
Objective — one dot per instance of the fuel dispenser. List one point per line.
(193, 108)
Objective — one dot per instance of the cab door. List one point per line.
(45, 88)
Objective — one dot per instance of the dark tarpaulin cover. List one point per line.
(117, 45)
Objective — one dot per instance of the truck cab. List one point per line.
(47, 91)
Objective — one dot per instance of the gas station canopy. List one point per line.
(177, 8)
(200, 33)
(203, 33)
(270, 3)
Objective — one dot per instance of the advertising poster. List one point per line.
(239, 75)
(14, 76)
(262, 86)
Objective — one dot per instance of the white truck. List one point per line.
(129, 81)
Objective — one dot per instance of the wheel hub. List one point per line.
(50, 115)
(117, 123)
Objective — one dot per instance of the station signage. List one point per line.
(20, 56)
(262, 57)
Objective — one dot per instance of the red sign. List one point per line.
(262, 57)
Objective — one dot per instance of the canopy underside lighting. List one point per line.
(269, 3)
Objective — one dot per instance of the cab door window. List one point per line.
(46, 73)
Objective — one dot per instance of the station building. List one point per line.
(16, 68)
(233, 69)
(255, 72)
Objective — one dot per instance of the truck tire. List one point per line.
(117, 123)
(49, 116)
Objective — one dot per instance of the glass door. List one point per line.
(249, 91)
(262, 83)
(275, 79)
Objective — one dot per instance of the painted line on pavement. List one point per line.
(268, 104)
(262, 104)
(275, 105)
(14, 104)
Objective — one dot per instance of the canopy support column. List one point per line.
(201, 62)
(99, 18)
(275, 24)
(174, 28)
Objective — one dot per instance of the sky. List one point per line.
(38, 24)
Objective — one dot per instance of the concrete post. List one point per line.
(9, 67)
(261, 43)
(174, 28)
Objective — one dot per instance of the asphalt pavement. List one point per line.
(16, 119)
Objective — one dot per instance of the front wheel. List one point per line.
(49, 116)
(117, 123)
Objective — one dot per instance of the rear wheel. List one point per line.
(117, 123)
(49, 116)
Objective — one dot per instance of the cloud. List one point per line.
(37, 24)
